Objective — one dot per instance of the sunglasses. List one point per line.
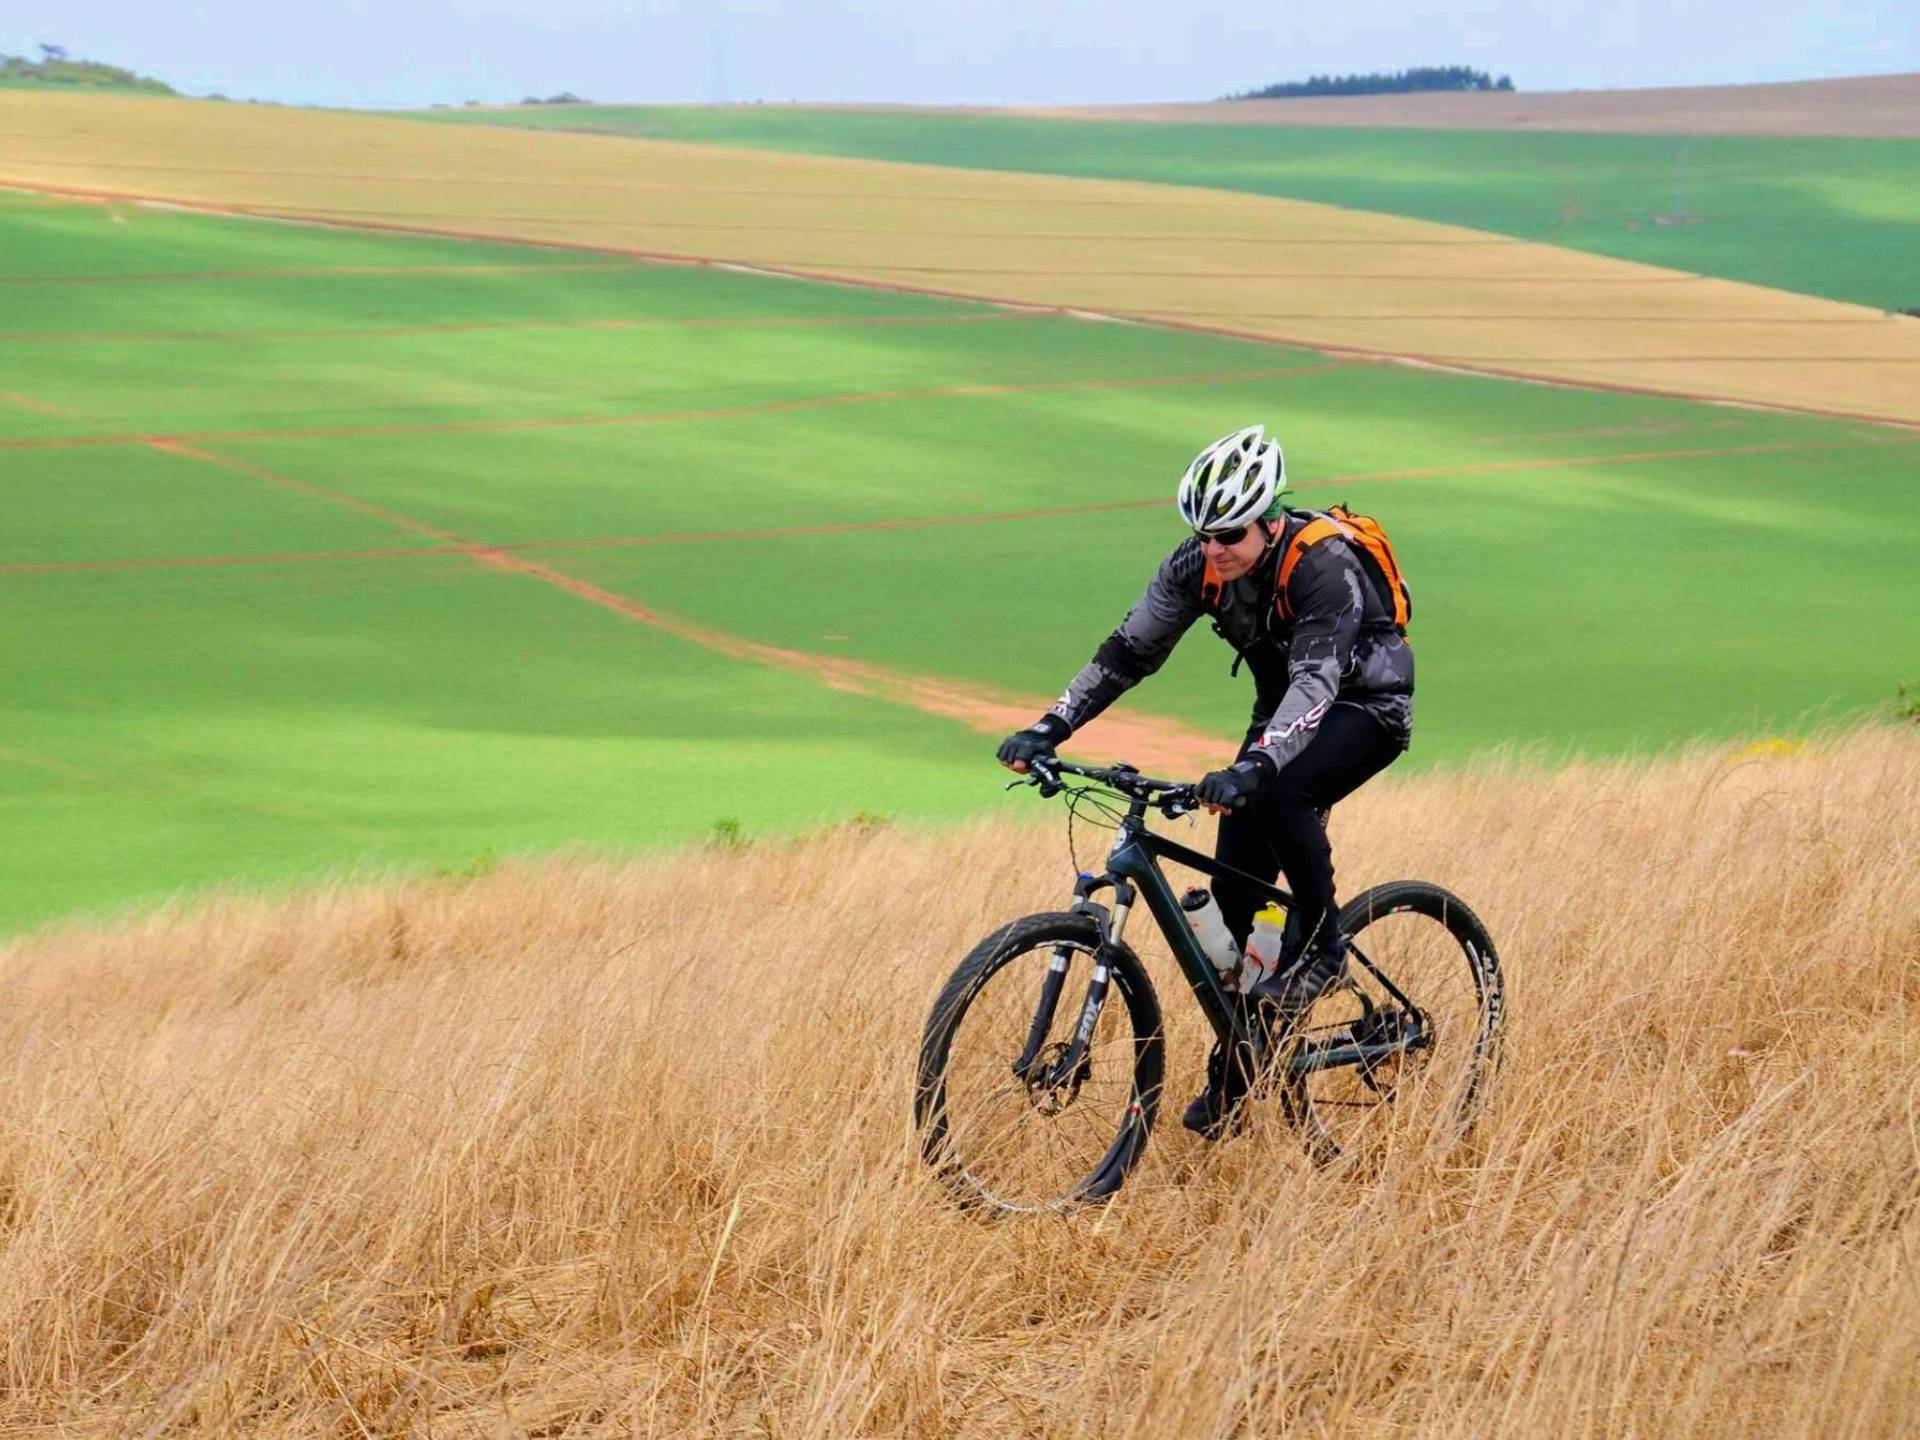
(1224, 537)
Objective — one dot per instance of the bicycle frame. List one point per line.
(1134, 863)
(1133, 872)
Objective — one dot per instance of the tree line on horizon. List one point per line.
(56, 67)
(1383, 82)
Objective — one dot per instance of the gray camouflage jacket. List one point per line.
(1340, 646)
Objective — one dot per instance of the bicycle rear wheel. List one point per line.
(1042, 1139)
(1423, 1001)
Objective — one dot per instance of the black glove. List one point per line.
(1233, 787)
(1018, 749)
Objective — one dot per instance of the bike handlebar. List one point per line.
(1173, 798)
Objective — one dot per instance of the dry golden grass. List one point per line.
(1275, 269)
(580, 1149)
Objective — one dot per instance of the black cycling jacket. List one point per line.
(1340, 645)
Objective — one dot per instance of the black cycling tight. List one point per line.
(1284, 826)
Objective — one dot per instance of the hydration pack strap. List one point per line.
(1311, 533)
(1370, 547)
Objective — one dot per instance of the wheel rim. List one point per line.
(1428, 1090)
(1027, 1144)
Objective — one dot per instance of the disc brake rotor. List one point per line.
(1050, 1099)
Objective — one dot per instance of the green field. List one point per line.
(232, 663)
(1830, 217)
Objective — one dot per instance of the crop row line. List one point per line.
(723, 322)
(724, 412)
(759, 322)
(449, 543)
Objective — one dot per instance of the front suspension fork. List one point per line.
(1043, 1014)
(1111, 927)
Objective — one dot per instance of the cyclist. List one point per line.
(1333, 705)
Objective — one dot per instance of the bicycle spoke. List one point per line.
(1409, 974)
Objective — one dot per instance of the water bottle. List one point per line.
(1203, 918)
(1263, 947)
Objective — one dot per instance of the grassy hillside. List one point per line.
(326, 549)
(591, 1151)
(1280, 270)
(258, 721)
(1830, 217)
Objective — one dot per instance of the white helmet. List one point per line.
(1232, 482)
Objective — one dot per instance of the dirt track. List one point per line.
(1886, 106)
(1341, 281)
(1145, 739)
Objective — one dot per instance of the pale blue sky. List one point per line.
(415, 52)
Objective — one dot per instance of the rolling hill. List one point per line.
(1801, 211)
(1285, 271)
(330, 549)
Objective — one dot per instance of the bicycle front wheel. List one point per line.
(1411, 1036)
(1005, 1119)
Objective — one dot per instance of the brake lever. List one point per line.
(1048, 787)
(1049, 781)
(1179, 805)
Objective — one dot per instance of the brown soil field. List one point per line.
(1862, 106)
(1342, 281)
(593, 1150)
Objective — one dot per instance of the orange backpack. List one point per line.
(1370, 544)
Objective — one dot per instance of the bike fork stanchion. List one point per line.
(1056, 978)
(1043, 1014)
(1110, 932)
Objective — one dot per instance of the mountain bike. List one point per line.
(1022, 1108)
